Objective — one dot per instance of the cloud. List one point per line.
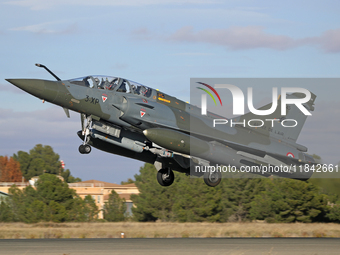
(236, 38)
(143, 34)
(244, 38)
(192, 54)
(328, 41)
(49, 28)
(43, 4)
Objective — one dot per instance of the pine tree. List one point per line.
(115, 208)
(50, 200)
(42, 159)
(154, 201)
(286, 200)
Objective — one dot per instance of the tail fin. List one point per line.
(277, 130)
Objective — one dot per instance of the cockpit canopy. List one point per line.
(113, 83)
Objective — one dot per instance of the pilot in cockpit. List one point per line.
(96, 80)
(111, 85)
(143, 90)
(101, 85)
(122, 87)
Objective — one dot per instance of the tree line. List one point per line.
(234, 199)
(52, 200)
(187, 200)
(41, 159)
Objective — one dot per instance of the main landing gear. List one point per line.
(212, 179)
(85, 148)
(165, 177)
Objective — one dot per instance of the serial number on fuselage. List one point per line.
(91, 100)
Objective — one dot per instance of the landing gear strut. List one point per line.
(165, 177)
(212, 179)
(85, 148)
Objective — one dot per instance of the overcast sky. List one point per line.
(160, 44)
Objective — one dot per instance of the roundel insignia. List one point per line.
(291, 155)
(142, 112)
(104, 98)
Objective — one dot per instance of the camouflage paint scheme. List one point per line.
(132, 120)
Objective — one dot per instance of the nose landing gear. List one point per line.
(85, 148)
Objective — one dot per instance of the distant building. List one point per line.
(34, 179)
(99, 191)
(5, 186)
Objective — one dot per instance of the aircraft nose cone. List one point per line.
(32, 86)
(42, 89)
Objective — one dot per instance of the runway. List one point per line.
(211, 246)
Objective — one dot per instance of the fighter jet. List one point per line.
(129, 119)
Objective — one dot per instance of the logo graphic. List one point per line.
(104, 97)
(239, 99)
(208, 92)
